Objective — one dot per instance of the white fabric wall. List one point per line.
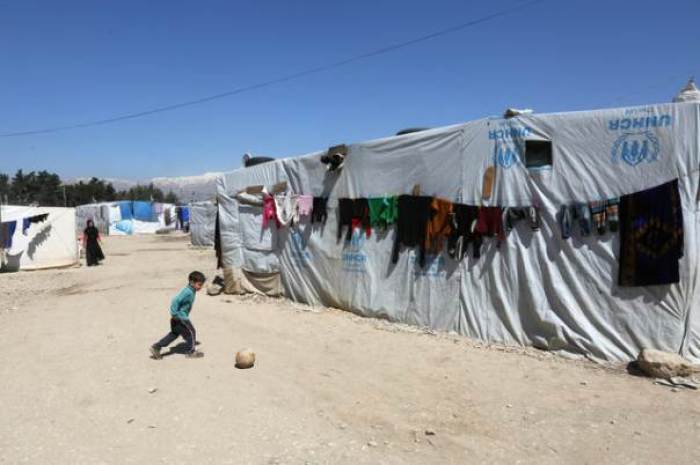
(536, 289)
(52, 243)
(202, 223)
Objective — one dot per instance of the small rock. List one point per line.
(583, 383)
(675, 390)
(372, 443)
(152, 390)
(386, 443)
(430, 432)
(612, 422)
(660, 364)
(130, 420)
(151, 426)
(343, 426)
(509, 405)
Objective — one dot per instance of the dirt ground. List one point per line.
(328, 388)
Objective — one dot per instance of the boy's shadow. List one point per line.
(180, 348)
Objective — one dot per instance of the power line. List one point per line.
(289, 77)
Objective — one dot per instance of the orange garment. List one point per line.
(439, 225)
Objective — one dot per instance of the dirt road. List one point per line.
(328, 388)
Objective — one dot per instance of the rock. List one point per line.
(152, 390)
(430, 432)
(245, 358)
(130, 420)
(214, 289)
(660, 364)
(372, 443)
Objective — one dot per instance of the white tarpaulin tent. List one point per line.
(46, 244)
(536, 288)
(202, 223)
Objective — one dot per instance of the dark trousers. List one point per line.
(178, 328)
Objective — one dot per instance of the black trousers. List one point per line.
(178, 328)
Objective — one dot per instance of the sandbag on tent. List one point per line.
(43, 237)
(527, 288)
(202, 220)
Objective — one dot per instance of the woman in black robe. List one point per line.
(91, 242)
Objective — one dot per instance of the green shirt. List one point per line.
(181, 304)
(383, 211)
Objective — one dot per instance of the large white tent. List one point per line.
(535, 288)
(49, 243)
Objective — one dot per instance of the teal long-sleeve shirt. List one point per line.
(181, 304)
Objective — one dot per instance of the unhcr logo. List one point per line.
(509, 144)
(634, 148)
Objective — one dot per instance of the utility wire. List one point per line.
(289, 77)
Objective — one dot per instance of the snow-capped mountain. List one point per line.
(187, 188)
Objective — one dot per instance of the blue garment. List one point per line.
(7, 230)
(185, 214)
(26, 222)
(143, 211)
(181, 304)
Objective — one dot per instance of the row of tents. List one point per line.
(55, 241)
(534, 288)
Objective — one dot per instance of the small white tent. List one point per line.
(47, 243)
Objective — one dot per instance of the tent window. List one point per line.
(538, 154)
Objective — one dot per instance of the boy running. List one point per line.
(180, 324)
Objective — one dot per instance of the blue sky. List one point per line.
(76, 61)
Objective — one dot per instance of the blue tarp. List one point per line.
(125, 226)
(143, 211)
(125, 209)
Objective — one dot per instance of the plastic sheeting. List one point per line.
(202, 218)
(536, 288)
(143, 211)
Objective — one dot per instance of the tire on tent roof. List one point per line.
(252, 161)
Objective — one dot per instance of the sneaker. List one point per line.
(195, 354)
(155, 353)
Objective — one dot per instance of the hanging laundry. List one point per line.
(27, 222)
(319, 214)
(7, 230)
(583, 216)
(383, 211)
(269, 211)
(566, 214)
(611, 214)
(463, 219)
(512, 215)
(286, 207)
(353, 213)
(490, 222)
(651, 236)
(598, 215)
(305, 205)
(411, 225)
(439, 225)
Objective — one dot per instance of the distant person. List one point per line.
(180, 323)
(180, 218)
(91, 243)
